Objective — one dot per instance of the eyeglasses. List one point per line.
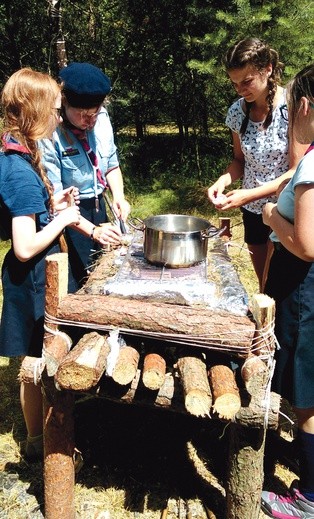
(58, 112)
(86, 115)
(284, 112)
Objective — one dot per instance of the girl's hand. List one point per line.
(107, 233)
(122, 208)
(233, 199)
(215, 192)
(268, 210)
(70, 215)
(66, 198)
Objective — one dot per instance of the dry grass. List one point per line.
(137, 461)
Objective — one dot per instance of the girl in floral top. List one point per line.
(264, 152)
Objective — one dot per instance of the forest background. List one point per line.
(168, 104)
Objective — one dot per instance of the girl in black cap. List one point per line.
(83, 153)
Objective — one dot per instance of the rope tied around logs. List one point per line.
(214, 342)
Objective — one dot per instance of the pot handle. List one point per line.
(134, 226)
(213, 232)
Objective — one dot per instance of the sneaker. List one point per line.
(291, 506)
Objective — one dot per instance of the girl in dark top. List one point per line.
(33, 219)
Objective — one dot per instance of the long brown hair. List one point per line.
(252, 51)
(28, 99)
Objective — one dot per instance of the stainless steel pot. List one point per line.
(175, 240)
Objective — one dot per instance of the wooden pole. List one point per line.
(247, 446)
(58, 411)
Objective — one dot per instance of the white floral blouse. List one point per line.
(266, 152)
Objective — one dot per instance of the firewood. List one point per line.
(126, 365)
(31, 370)
(84, 365)
(197, 395)
(56, 348)
(176, 321)
(254, 373)
(154, 371)
(226, 396)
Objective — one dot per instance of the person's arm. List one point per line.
(115, 182)
(232, 173)
(27, 243)
(297, 237)
(240, 197)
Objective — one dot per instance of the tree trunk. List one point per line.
(244, 487)
(59, 446)
(197, 326)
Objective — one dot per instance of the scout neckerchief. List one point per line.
(10, 144)
(310, 148)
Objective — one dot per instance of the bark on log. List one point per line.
(56, 289)
(154, 371)
(31, 370)
(246, 472)
(185, 322)
(59, 476)
(247, 446)
(126, 366)
(254, 410)
(84, 365)
(197, 395)
(254, 374)
(56, 348)
(225, 392)
(263, 310)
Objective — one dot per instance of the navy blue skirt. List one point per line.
(291, 283)
(22, 319)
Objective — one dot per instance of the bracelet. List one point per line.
(92, 233)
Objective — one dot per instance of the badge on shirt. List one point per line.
(70, 152)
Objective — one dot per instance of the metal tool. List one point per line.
(117, 220)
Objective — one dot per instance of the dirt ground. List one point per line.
(137, 462)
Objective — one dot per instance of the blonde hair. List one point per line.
(28, 99)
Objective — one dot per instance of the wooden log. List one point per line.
(59, 473)
(254, 410)
(197, 395)
(56, 285)
(85, 364)
(247, 446)
(263, 310)
(225, 392)
(178, 322)
(126, 365)
(31, 370)
(246, 456)
(254, 374)
(57, 408)
(154, 371)
(224, 225)
(56, 348)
